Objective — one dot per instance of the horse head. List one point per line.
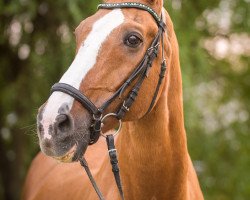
(111, 44)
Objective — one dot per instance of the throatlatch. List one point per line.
(140, 73)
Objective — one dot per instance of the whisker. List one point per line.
(28, 126)
(31, 132)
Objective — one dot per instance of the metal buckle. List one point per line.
(123, 105)
(120, 124)
(153, 47)
(112, 150)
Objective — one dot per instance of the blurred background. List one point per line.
(37, 45)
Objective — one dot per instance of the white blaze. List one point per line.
(83, 62)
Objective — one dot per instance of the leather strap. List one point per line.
(84, 164)
(95, 130)
(162, 72)
(70, 90)
(114, 163)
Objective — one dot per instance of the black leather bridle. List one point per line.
(139, 74)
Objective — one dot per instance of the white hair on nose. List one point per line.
(83, 62)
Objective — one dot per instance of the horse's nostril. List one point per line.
(63, 123)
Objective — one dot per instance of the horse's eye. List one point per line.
(133, 40)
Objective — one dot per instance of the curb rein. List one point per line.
(141, 72)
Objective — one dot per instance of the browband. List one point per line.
(131, 5)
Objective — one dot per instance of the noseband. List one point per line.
(139, 74)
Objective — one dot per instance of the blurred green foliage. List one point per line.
(37, 44)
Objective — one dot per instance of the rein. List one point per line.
(140, 73)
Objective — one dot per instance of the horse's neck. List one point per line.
(153, 155)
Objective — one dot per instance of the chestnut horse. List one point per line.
(153, 156)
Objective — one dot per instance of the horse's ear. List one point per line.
(156, 4)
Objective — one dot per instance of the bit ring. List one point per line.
(120, 123)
